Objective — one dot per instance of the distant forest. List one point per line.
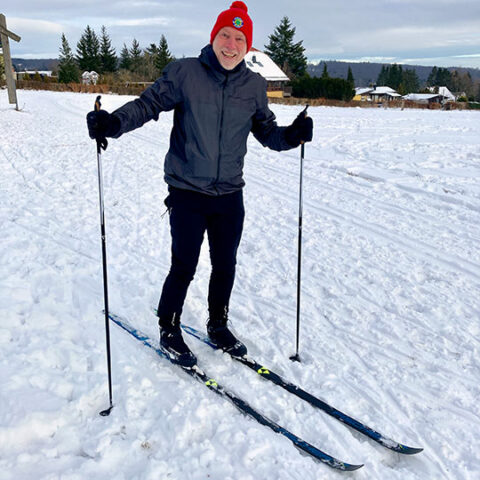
(40, 64)
(364, 73)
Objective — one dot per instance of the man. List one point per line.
(217, 102)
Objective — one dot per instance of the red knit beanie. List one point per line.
(237, 17)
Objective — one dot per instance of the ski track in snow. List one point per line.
(390, 300)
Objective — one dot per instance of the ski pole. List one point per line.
(102, 143)
(296, 357)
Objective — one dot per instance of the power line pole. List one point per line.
(4, 37)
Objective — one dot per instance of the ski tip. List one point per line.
(348, 467)
(409, 450)
(333, 462)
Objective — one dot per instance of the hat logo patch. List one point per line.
(238, 22)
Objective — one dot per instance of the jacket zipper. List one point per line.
(221, 131)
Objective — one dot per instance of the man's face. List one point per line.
(230, 46)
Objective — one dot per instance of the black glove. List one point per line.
(300, 131)
(102, 124)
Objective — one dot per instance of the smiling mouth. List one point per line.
(229, 55)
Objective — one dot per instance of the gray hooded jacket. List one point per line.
(214, 111)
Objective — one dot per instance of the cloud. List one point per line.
(473, 55)
(27, 25)
(366, 59)
(142, 22)
(398, 40)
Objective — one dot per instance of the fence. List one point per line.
(315, 102)
(79, 88)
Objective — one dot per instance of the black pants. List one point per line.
(191, 214)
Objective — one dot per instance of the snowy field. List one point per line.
(390, 301)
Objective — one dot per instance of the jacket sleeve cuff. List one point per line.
(291, 137)
(115, 127)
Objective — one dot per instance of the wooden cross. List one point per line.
(4, 36)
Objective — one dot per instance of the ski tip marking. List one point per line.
(263, 371)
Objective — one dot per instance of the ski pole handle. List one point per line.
(102, 142)
(304, 113)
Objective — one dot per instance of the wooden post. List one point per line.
(5, 35)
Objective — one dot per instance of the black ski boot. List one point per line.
(222, 337)
(172, 343)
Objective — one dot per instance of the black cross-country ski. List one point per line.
(242, 405)
(312, 400)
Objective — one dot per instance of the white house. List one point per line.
(90, 78)
(362, 94)
(424, 97)
(380, 94)
(444, 92)
(261, 63)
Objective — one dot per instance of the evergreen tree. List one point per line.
(152, 51)
(391, 76)
(164, 57)
(432, 78)
(410, 82)
(350, 78)
(440, 77)
(444, 77)
(67, 67)
(284, 52)
(88, 51)
(150, 57)
(395, 76)
(125, 60)
(382, 76)
(108, 55)
(403, 81)
(135, 56)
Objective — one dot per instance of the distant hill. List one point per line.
(34, 64)
(366, 73)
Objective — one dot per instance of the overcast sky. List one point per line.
(423, 32)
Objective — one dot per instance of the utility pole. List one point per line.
(4, 37)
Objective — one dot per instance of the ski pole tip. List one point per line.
(295, 358)
(106, 413)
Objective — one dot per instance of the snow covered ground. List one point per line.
(390, 301)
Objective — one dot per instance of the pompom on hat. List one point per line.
(236, 17)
